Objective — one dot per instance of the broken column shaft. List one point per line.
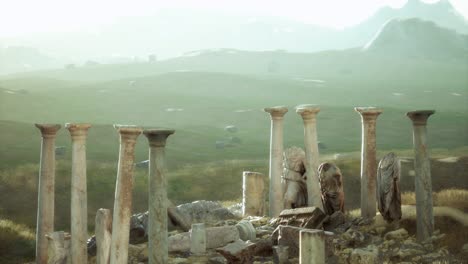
(103, 234)
(123, 194)
(312, 247)
(46, 190)
(253, 189)
(276, 159)
(198, 239)
(157, 195)
(309, 117)
(79, 208)
(368, 160)
(422, 167)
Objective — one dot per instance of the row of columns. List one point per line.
(110, 247)
(368, 162)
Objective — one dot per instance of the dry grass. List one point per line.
(456, 198)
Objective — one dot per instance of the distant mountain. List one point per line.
(171, 33)
(442, 13)
(418, 38)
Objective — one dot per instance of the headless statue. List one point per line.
(294, 179)
(331, 185)
(388, 187)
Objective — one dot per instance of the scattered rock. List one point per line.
(205, 212)
(368, 255)
(399, 234)
(237, 252)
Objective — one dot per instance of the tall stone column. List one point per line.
(311, 247)
(276, 159)
(46, 190)
(253, 189)
(422, 167)
(309, 116)
(368, 160)
(158, 203)
(79, 204)
(123, 194)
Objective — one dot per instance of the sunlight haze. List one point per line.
(23, 17)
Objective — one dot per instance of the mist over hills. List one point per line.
(174, 32)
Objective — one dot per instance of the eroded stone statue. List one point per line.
(59, 247)
(331, 185)
(388, 187)
(294, 178)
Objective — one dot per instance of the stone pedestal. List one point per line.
(46, 190)
(422, 167)
(158, 203)
(79, 204)
(309, 116)
(368, 160)
(103, 234)
(312, 247)
(253, 190)
(276, 159)
(198, 239)
(123, 194)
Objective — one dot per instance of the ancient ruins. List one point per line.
(306, 203)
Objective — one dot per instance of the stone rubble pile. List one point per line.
(254, 239)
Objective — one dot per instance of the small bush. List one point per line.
(17, 243)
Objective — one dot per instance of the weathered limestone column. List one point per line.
(103, 232)
(276, 159)
(46, 190)
(123, 194)
(158, 203)
(198, 239)
(309, 116)
(311, 247)
(368, 160)
(253, 189)
(422, 167)
(79, 204)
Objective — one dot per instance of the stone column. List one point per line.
(368, 160)
(79, 208)
(123, 194)
(103, 232)
(158, 203)
(311, 247)
(253, 189)
(309, 116)
(276, 159)
(198, 239)
(46, 190)
(422, 167)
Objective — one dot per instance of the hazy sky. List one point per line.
(20, 17)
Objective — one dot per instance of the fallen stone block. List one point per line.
(306, 217)
(215, 237)
(237, 252)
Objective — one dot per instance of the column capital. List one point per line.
(368, 113)
(420, 117)
(276, 112)
(48, 130)
(128, 132)
(307, 111)
(157, 137)
(78, 129)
